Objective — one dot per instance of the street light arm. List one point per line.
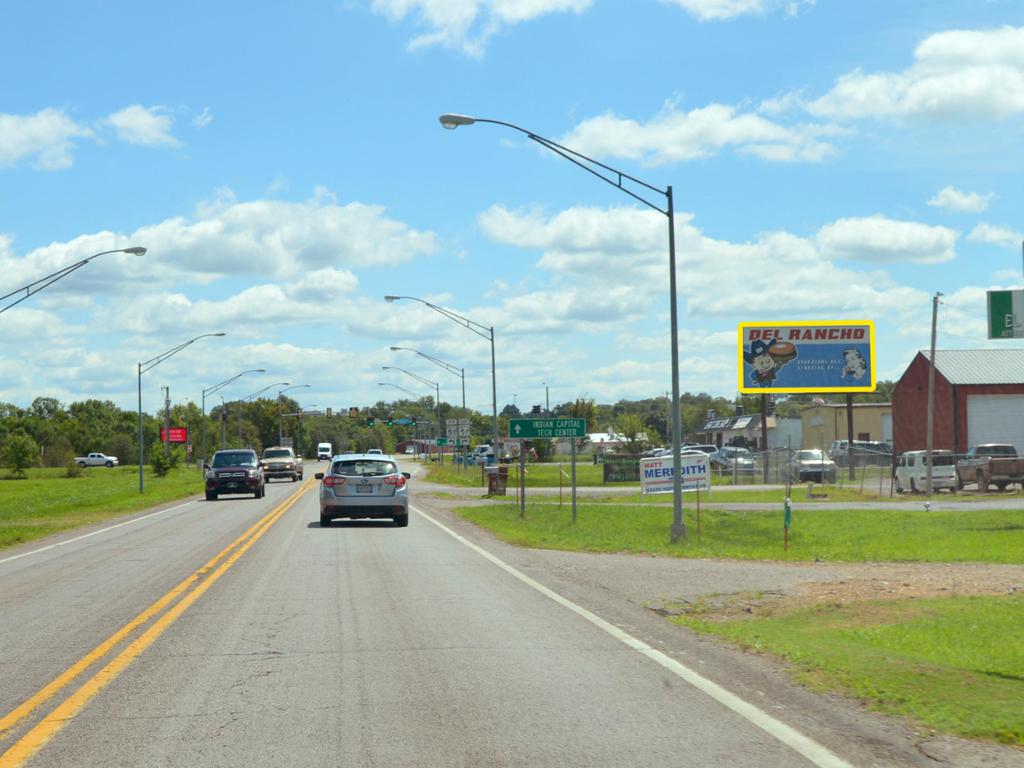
(477, 328)
(224, 383)
(260, 392)
(152, 363)
(447, 366)
(428, 382)
(396, 386)
(38, 285)
(588, 164)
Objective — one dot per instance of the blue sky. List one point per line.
(284, 165)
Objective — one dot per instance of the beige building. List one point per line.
(821, 425)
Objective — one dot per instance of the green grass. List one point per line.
(953, 664)
(898, 535)
(48, 502)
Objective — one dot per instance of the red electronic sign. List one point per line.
(178, 434)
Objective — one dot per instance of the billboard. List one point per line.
(177, 435)
(811, 356)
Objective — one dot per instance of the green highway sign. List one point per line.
(1006, 314)
(547, 427)
(441, 441)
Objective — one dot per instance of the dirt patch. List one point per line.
(858, 583)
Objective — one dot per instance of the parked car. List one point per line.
(989, 463)
(234, 470)
(733, 459)
(281, 461)
(363, 485)
(809, 465)
(873, 453)
(96, 460)
(912, 471)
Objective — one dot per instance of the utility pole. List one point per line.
(167, 422)
(931, 399)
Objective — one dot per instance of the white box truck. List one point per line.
(324, 451)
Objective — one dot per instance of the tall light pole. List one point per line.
(38, 285)
(148, 365)
(280, 423)
(460, 372)
(480, 330)
(214, 388)
(547, 400)
(930, 419)
(618, 179)
(429, 383)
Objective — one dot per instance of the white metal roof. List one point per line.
(980, 366)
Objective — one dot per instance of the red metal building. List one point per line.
(979, 398)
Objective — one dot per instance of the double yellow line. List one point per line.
(179, 599)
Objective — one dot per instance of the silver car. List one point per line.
(363, 485)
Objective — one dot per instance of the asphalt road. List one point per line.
(240, 632)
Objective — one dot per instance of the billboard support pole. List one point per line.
(851, 457)
(764, 435)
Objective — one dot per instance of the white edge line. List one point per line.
(94, 533)
(810, 749)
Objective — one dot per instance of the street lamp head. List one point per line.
(451, 122)
(389, 299)
(218, 334)
(134, 250)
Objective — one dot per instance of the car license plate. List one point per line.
(232, 485)
(364, 489)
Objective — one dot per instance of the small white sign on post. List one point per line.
(656, 474)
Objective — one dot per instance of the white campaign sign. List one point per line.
(656, 474)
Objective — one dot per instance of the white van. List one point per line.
(912, 470)
(324, 451)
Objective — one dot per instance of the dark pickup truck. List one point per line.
(990, 463)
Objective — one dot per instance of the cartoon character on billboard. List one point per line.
(855, 365)
(767, 359)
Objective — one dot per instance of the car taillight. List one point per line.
(333, 480)
(396, 480)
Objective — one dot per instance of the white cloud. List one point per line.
(718, 10)
(883, 240)
(46, 139)
(148, 126)
(956, 75)
(467, 25)
(952, 199)
(203, 119)
(989, 233)
(675, 136)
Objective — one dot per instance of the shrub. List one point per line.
(72, 469)
(19, 452)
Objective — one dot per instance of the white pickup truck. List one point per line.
(96, 460)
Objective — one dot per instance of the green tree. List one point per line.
(19, 453)
(633, 429)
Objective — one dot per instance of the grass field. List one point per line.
(48, 502)
(901, 535)
(953, 664)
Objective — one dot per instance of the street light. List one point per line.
(480, 330)
(214, 388)
(460, 372)
(148, 365)
(618, 179)
(429, 383)
(38, 285)
(280, 425)
(396, 386)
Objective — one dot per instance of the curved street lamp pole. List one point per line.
(148, 365)
(396, 386)
(38, 285)
(437, 395)
(214, 388)
(618, 179)
(280, 420)
(460, 372)
(480, 330)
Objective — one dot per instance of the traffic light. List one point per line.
(328, 412)
(371, 422)
(353, 412)
(412, 422)
(391, 422)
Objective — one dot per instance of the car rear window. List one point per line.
(364, 468)
(941, 460)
